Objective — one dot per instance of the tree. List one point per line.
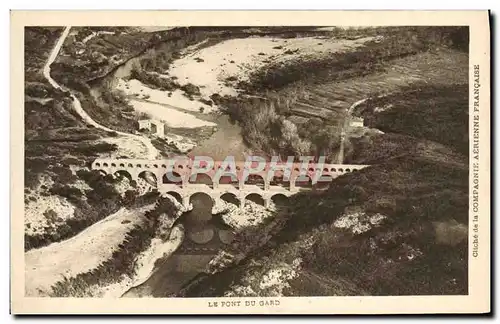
(129, 197)
(292, 139)
(50, 215)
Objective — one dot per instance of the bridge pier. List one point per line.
(134, 176)
(185, 202)
(242, 203)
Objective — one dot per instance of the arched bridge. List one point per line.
(178, 178)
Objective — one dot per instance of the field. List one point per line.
(438, 68)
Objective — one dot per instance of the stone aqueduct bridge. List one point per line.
(176, 177)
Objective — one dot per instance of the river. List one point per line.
(225, 141)
(204, 235)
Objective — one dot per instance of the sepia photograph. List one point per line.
(240, 165)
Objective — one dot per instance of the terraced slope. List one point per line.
(438, 68)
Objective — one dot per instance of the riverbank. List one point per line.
(146, 261)
(82, 253)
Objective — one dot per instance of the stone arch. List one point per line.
(109, 177)
(138, 165)
(113, 165)
(130, 165)
(333, 170)
(229, 179)
(230, 198)
(172, 178)
(280, 200)
(101, 172)
(177, 196)
(341, 170)
(201, 178)
(279, 180)
(303, 181)
(97, 164)
(202, 237)
(122, 165)
(201, 198)
(256, 180)
(226, 236)
(122, 173)
(347, 170)
(149, 177)
(105, 165)
(256, 198)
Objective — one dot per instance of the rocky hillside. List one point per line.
(430, 111)
(62, 197)
(399, 227)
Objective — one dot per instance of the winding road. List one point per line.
(150, 151)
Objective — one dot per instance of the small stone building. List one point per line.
(153, 126)
(356, 122)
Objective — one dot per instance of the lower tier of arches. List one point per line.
(239, 200)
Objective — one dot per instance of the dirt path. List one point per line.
(150, 152)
